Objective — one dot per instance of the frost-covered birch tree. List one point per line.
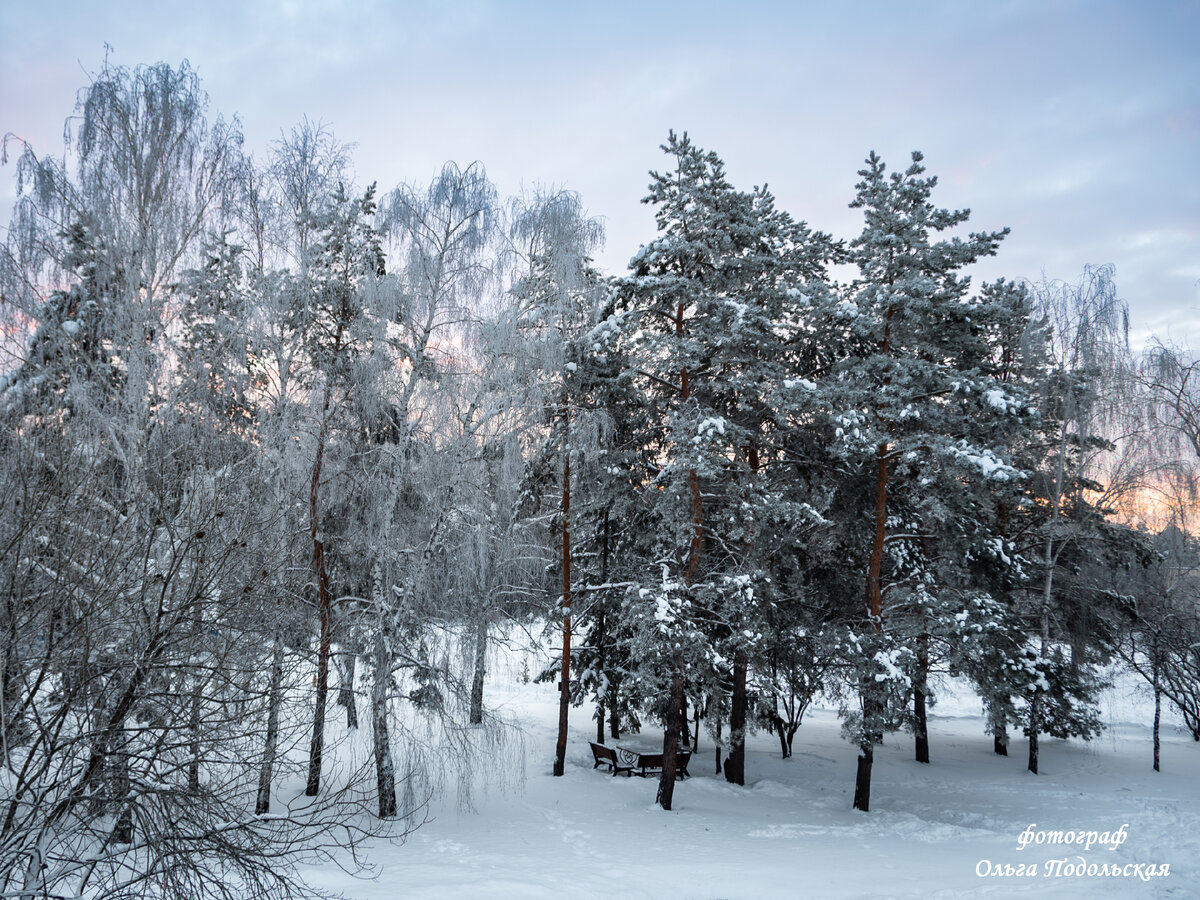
(1081, 386)
(557, 298)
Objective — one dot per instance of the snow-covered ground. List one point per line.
(791, 832)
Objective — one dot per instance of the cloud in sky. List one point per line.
(1075, 123)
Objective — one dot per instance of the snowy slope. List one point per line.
(791, 832)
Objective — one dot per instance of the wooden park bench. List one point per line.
(608, 756)
(622, 759)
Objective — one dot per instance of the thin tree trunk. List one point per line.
(194, 729)
(666, 784)
(781, 732)
(101, 721)
(1035, 718)
(1157, 707)
(598, 641)
(1035, 704)
(96, 788)
(262, 805)
(875, 570)
(862, 778)
(119, 800)
(197, 700)
(385, 772)
(735, 765)
(685, 731)
(481, 642)
(920, 683)
(999, 728)
(346, 674)
(696, 732)
(324, 603)
(1050, 559)
(614, 708)
(564, 697)
(107, 738)
(10, 683)
(776, 718)
(870, 702)
(718, 721)
(997, 705)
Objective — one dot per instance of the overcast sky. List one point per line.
(1075, 123)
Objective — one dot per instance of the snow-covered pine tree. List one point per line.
(922, 415)
(703, 310)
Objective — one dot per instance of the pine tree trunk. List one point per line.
(920, 682)
(598, 641)
(735, 765)
(875, 569)
(862, 778)
(696, 732)
(666, 783)
(385, 772)
(564, 696)
(346, 675)
(481, 642)
(870, 703)
(717, 721)
(998, 725)
(685, 731)
(614, 709)
(324, 603)
(1035, 720)
(262, 804)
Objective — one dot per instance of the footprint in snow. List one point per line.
(575, 838)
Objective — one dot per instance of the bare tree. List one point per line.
(1083, 389)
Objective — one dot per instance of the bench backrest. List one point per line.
(599, 751)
